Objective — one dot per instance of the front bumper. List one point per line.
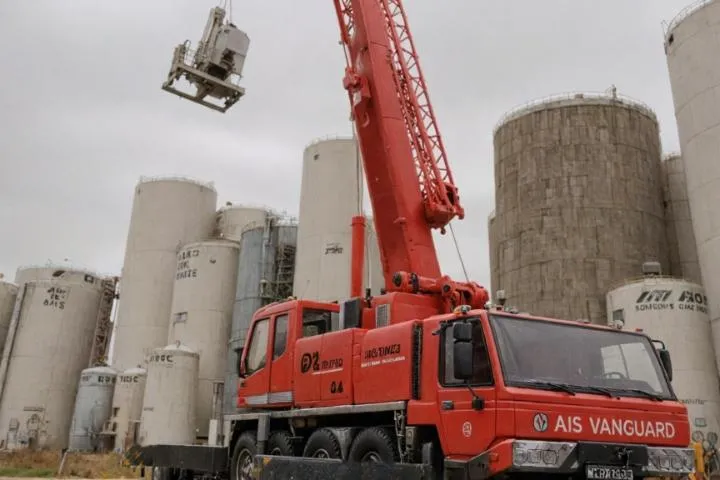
(571, 459)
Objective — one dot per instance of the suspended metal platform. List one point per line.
(215, 68)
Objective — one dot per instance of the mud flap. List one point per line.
(268, 467)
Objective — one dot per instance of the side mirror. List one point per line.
(462, 359)
(239, 364)
(666, 362)
(462, 332)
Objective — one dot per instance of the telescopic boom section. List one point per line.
(411, 187)
(409, 180)
(436, 183)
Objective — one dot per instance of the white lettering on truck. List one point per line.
(615, 426)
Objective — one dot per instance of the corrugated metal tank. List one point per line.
(692, 42)
(127, 407)
(682, 248)
(93, 405)
(168, 414)
(675, 311)
(578, 196)
(51, 346)
(167, 213)
(265, 274)
(330, 195)
(202, 311)
(8, 294)
(232, 220)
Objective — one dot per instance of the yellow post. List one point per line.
(699, 461)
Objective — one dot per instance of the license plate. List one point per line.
(596, 472)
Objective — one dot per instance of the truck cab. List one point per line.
(558, 397)
(266, 363)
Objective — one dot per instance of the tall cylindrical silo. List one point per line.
(127, 407)
(691, 44)
(232, 220)
(8, 294)
(265, 274)
(168, 413)
(330, 195)
(167, 213)
(202, 310)
(51, 345)
(682, 249)
(578, 195)
(93, 404)
(675, 312)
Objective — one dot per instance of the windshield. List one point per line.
(541, 354)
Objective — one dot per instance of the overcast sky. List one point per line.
(82, 115)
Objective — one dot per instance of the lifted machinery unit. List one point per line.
(215, 68)
(427, 380)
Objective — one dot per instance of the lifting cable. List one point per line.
(457, 248)
(227, 6)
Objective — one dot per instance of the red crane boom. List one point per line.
(410, 183)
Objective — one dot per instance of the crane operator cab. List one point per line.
(215, 68)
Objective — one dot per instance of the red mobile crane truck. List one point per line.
(425, 380)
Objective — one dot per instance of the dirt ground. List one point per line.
(44, 465)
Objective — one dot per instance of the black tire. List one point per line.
(280, 443)
(243, 457)
(322, 444)
(373, 445)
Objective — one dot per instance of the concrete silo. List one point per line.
(8, 294)
(167, 213)
(127, 408)
(265, 274)
(374, 277)
(578, 196)
(169, 402)
(232, 220)
(330, 195)
(675, 312)
(682, 249)
(93, 404)
(202, 311)
(49, 343)
(103, 326)
(691, 43)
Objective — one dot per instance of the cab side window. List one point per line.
(482, 368)
(280, 340)
(317, 322)
(257, 353)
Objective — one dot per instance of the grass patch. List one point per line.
(44, 464)
(27, 472)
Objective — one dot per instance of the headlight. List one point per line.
(670, 460)
(541, 454)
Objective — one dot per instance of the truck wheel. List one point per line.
(373, 445)
(280, 443)
(322, 444)
(243, 457)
